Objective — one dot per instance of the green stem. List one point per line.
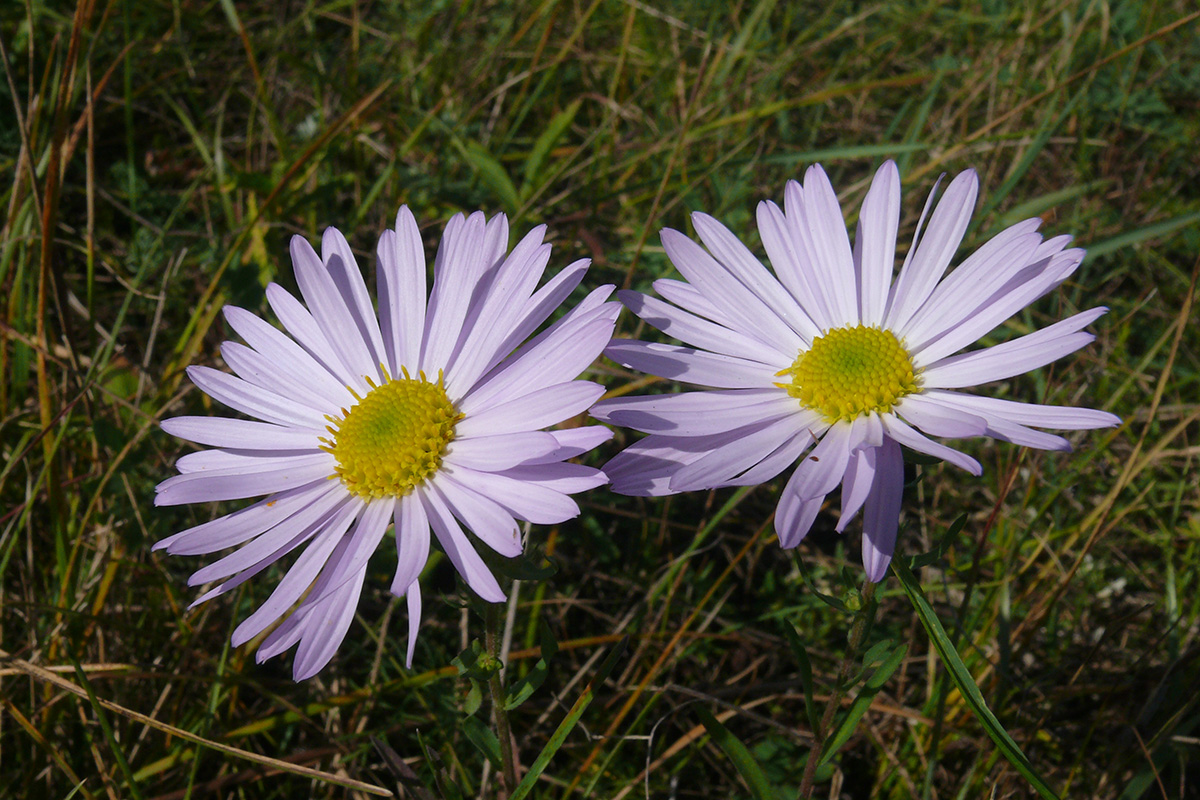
(858, 631)
(499, 697)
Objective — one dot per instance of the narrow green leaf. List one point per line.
(966, 683)
(747, 767)
(492, 173)
(862, 702)
(806, 676)
(544, 144)
(483, 738)
(569, 722)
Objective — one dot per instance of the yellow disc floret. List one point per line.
(392, 439)
(850, 372)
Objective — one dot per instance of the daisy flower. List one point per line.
(430, 415)
(830, 363)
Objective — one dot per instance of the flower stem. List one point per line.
(858, 631)
(499, 698)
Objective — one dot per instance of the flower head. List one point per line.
(831, 363)
(428, 415)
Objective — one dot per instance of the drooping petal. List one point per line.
(905, 435)
(881, 519)
(412, 542)
(494, 526)
(856, 484)
(459, 550)
(822, 469)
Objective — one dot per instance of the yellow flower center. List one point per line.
(392, 439)
(850, 372)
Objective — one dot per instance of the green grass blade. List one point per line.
(569, 722)
(966, 683)
(115, 747)
(1141, 234)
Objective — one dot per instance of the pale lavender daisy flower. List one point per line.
(830, 353)
(429, 415)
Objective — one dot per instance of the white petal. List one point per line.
(305, 330)
(300, 576)
(548, 406)
(254, 400)
(494, 453)
(742, 264)
(343, 269)
(1039, 416)
(702, 334)
(329, 309)
(876, 240)
(1014, 357)
(226, 432)
(280, 349)
(203, 487)
(920, 275)
(822, 221)
(529, 502)
(753, 316)
(695, 413)
(752, 445)
(782, 457)
(556, 355)
(493, 319)
(972, 283)
(1031, 283)
(689, 365)
(791, 259)
(402, 294)
(456, 272)
(241, 526)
